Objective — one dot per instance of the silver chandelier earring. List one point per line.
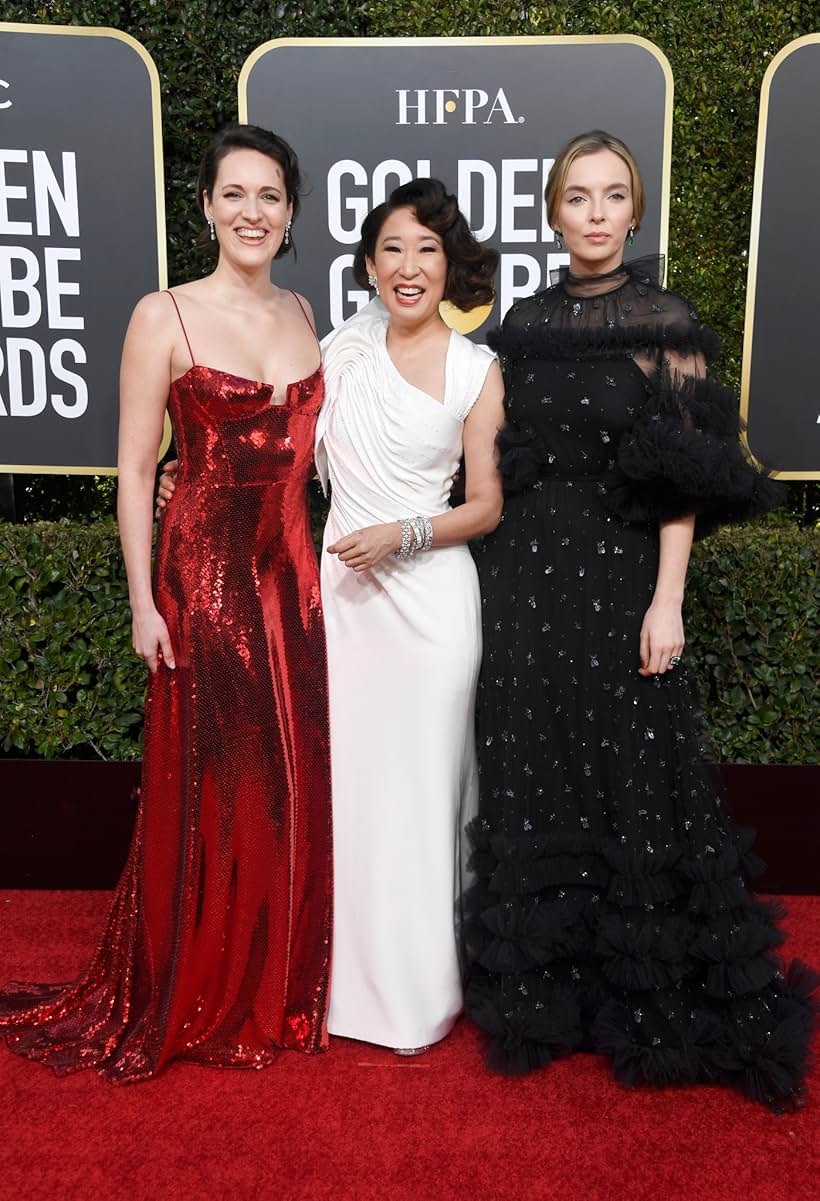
(631, 238)
(558, 241)
(374, 283)
(287, 234)
(212, 228)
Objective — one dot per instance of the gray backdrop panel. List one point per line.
(90, 95)
(335, 102)
(783, 399)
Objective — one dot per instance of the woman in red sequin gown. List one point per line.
(217, 946)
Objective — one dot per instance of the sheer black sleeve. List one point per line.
(684, 454)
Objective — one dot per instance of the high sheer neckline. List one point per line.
(615, 273)
(647, 270)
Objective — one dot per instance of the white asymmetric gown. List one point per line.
(404, 647)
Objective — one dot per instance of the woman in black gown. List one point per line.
(609, 909)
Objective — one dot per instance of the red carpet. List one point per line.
(360, 1125)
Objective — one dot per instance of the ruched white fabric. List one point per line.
(404, 647)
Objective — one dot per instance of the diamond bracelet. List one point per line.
(416, 534)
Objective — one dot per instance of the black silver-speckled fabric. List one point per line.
(609, 909)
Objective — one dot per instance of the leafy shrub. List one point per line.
(72, 686)
(752, 608)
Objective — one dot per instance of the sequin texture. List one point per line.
(218, 942)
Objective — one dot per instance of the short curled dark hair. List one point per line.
(247, 137)
(470, 266)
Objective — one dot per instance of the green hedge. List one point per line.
(718, 50)
(752, 615)
(72, 686)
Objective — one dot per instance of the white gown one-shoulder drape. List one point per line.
(404, 648)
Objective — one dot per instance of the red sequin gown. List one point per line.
(218, 942)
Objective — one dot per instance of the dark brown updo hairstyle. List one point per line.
(247, 137)
(470, 266)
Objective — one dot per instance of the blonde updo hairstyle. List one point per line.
(591, 143)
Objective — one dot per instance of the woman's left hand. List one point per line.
(662, 638)
(363, 549)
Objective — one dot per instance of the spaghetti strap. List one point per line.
(304, 313)
(182, 323)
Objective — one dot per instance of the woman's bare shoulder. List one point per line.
(306, 307)
(153, 312)
(155, 320)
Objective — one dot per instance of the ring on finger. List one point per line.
(674, 660)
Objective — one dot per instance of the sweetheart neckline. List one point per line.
(247, 380)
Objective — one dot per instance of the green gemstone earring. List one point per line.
(631, 239)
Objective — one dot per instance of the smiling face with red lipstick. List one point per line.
(249, 207)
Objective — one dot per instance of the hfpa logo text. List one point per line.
(436, 106)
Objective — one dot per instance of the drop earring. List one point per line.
(374, 283)
(631, 239)
(212, 229)
(558, 241)
(287, 234)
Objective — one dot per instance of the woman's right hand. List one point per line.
(151, 640)
(167, 484)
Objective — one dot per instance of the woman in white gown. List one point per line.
(405, 398)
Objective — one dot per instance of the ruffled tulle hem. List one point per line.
(663, 960)
(528, 862)
(712, 1046)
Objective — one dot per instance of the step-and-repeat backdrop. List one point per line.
(781, 374)
(486, 115)
(82, 236)
(82, 222)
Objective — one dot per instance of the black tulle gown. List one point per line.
(609, 909)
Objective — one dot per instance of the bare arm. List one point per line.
(483, 499)
(662, 636)
(144, 378)
(662, 633)
(481, 510)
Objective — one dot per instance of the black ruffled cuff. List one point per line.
(521, 457)
(683, 455)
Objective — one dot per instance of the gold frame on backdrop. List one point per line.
(100, 31)
(573, 40)
(754, 240)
